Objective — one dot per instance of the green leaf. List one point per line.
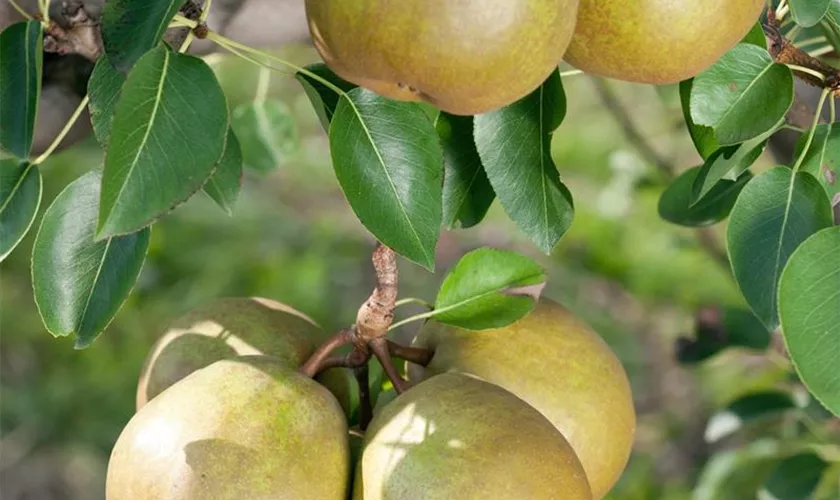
(737, 474)
(743, 95)
(224, 185)
(467, 194)
(104, 88)
(702, 137)
(774, 214)
(807, 13)
(20, 197)
(675, 203)
(324, 99)
(130, 28)
(21, 58)
(389, 163)
(514, 144)
(809, 305)
(727, 162)
(80, 283)
(267, 132)
(822, 160)
(167, 135)
(749, 409)
(756, 36)
(795, 478)
(489, 288)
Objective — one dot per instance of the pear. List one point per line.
(464, 57)
(236, 326)
(457, 437)
(241, 428)
(558, 365)
(651, 41)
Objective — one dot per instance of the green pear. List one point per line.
(241, 428)
(457, 437)
(558, 365)
(651, 41)
(463, 57)
(236, 326)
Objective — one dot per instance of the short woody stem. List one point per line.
(379, 347)
(416, 355)
(365, 407)
(314, 364)
(377, 313)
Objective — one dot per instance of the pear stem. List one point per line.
(365, 407)
(380, 349)
(315, 363)
(416, 355)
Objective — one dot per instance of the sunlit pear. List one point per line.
(457, 437)
(557, 364)
(241, 428)
(465, 57)
(655, 41)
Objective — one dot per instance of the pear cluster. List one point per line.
(471, 57)
(540, 409)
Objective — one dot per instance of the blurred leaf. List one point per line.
(746, 410)
(324, 99)
(267, 132)
(756, 36)
(104, 88)
(809, 305)
(703, 137)
(738, 328)
(514, 144)
(774, 214)
(822, 160)
(728, 163)
(224, 185)
(743, 95)
(489, 288)
(80, 283)
(130, 28)
(389, 163)
(675, 202)
(467, 194)
(21, 58)
(807, 13)
(795, 477)
(737, 474)
(167, 135)
(20, 197)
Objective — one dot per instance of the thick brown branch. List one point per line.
(785, 52)
(379, 347)
(81, 36)
(416, 355)
(314, 364)
(377, 313)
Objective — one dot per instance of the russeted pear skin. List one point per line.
(243, 428)
(558, 365)
(657, 41)
(465, 57)
(457, 437)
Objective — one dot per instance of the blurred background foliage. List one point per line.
(636, 278)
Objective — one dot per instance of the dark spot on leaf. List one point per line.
(733, 86)
(830, 175)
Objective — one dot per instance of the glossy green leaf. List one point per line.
(739, 473)
(21, 56)
(489, 288)
(104, 88)
(389, 163)
(467, 193)
(756, 36)
(675, 203)
(795, 478)
(822, 160)
(324, 99)
(807, 13)
(224, 185)
(746, 410)
(130, 28)
(743, 95)
(20, 197)
(168, 133)
(267, 132)
(832, 18)
(774, 214)
(702, 137)
(80, 283)
(514, 144)
(809, 305)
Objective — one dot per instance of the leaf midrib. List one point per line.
(15, 188)
(745, 92)
(84, 310)
(481, 295)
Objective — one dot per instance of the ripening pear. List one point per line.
(241, 428)
(465, 57)
(656, 41)
(236, 326)
(457, 437)
(558, 365)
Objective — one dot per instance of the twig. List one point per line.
(377, 313)
(379, 346)
(314, 364)
(365, 407)
(81, 37)
(416, 355)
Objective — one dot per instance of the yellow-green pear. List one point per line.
(558, 365)
(457, 437)
(242, 428)
(465, 57)
(656, 41)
